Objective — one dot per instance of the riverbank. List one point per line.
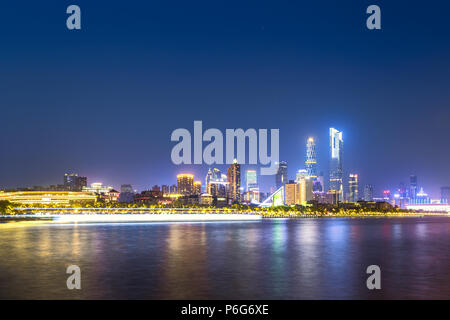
(145, 217)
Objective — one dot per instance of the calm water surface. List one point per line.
(274, 259)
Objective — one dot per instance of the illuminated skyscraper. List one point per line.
(413, 187)
(311, 161)
(301, 191)
(353, 188)
(281, 178)
(421, 198)
(165, 189)
(336, 170)
(234, 181)
(185, 183)
(319, 183)
(301, 174)
(251, 180)
(216, 183)
(197, 187)
(368, 192)
(73, 182)
(212, 175)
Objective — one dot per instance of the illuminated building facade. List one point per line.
(111, 196)
(319, 183)
(301, 175)
(197, 187)
(251, 180)
(165, 189)
(311, 161)
(173, 189)
(353, 188)
(445, 195)
(278, 198)
(73, 182)
(421, 198)
(281, 176)
(97, 187)
(216, 183)
(59, 198)
(234, 181)
(252, 196)
(368, 192)
(212, 175)
(306, 189)
(218, 188)
(185, 183)
(336, 169)
(430, 207)
(413, 189)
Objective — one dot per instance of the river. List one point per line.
(317, 258)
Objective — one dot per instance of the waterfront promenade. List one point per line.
(173, 212)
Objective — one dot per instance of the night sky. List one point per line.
(104, 100)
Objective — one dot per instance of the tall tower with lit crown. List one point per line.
(336, 169)
(311, 161)
(185, 183)
(234, 180)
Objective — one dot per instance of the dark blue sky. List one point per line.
(104, 100)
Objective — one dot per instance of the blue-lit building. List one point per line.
(420, 198)
(336, 168)
(311, 161)
(412, 188)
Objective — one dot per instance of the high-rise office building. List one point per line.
(185, 183)
(251, 180)
(421, 198)
(165, 189)
(173, 189)
(319, 183)
(73, 182)
(445, 195)
(197, 187)
(353, 188)
(251, 186)
(368, 192)
(301, 174)
(300, 192)
(213, 175)
(281, 177)
(413, 189)
(311, 161)
(218, 188)
(234, 181)
(336, 168)
(216, 183)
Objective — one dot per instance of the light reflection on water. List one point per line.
(272, 259)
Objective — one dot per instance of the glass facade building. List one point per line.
(281, 178)
(311, 161)
(353, 188)
(336, 168)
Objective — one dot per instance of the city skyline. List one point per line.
(73, 181)
(84, 104)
